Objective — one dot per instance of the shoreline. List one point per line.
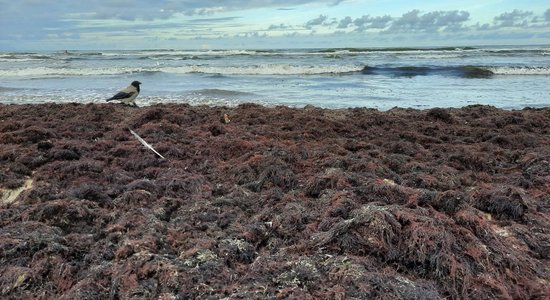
(276, 202)
(278, 105)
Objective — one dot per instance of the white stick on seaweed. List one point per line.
(145, 143)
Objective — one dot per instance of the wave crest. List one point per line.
(467, 71)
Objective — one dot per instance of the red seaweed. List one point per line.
(260, 203)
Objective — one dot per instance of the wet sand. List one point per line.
(276, 203)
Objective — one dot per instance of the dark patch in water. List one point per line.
(412, 71)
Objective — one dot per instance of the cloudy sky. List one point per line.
(252, 24)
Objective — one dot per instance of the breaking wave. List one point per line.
(264, 69)
(45, 72)
(221, 93)
(175, 54)
(279, 70)
(521, 70)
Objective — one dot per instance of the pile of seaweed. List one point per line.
(254, 202)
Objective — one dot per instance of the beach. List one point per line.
(273, 202)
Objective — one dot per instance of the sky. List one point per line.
(269, 24)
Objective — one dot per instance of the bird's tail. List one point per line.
(110, 99)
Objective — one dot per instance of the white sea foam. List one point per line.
(276, 69)
(21, 57)
(520, 70)
(44, 72)
(264, 69)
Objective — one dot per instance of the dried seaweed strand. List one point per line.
(145, 143)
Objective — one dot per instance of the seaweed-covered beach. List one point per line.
(254, 202)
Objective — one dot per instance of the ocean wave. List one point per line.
(198, 54)
(24, 57)
(467, 71)
(513, 52)
(393, 49)
(170, 57)
(279, 69)
(434, 53)
(7, 89)
(45, 72)
(137, 54)
(412, 71)
(264, 69)
(455, 71)
(520, 70)
(221, 93)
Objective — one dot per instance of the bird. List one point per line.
(128, 95)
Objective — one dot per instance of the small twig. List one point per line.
(145, 143)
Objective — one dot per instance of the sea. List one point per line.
(508, 77)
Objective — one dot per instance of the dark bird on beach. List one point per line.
(128, 95)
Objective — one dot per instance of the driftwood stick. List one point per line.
(145, 143)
